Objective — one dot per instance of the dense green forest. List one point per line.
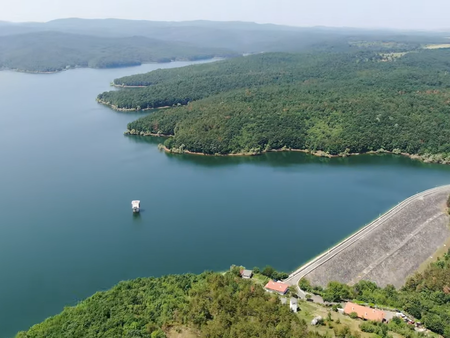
(426, 296)
(337, 103)
(215, 305)
(55, 51)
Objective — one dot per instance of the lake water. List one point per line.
(68, 175)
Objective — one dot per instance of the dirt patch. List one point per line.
(182, 332)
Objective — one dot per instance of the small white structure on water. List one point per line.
(136, 206)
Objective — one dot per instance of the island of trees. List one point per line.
(337, 103)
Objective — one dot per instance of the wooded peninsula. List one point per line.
(49, 52)
(217, 305)
(337, 103)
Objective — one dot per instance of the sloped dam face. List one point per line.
(68, 176)
(389, 249)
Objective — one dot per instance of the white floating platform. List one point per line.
(136, 206)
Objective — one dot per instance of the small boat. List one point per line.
(136, 206)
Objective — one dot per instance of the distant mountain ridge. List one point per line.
(234, 35)
(55, 51)
(43, 47)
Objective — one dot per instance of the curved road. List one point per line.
(304, 270)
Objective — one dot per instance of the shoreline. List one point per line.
(141, 133)
(77, 67)
(124, 86)
(114, 107)
(430, 158)
(318, 153)
(33, 71)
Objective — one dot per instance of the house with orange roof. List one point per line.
(364, 312)
(277, 287)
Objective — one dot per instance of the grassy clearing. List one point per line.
(260, 279)
(310, 310)
(439, 253)
(438, 46)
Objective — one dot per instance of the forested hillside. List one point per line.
(210, 304)
(54, 51)
(338, 103)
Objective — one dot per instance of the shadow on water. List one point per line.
(137, 218)
(287, 159)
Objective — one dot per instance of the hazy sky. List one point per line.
(409, 14)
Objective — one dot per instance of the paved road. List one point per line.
(294, 277)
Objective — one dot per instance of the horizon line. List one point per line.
(237, 21)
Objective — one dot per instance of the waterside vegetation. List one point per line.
(210, 304)
(224, 305)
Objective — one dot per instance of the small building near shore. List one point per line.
(294, 304)
(246, 274)
(278, 287)
(364, 312)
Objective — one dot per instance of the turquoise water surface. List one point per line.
(68, 175)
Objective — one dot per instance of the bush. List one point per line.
(368, 327)
(268, 271)
(305, 285)
(336, 307)
(353, 315)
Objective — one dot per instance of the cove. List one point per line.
(68, 175)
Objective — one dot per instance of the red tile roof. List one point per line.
(364, 312)
(277, 286)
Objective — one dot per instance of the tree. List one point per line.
(235, 270)
(293, 291)
(336, 291)
(158, 334)
(305, 285)
(434, 323)
(268, 271)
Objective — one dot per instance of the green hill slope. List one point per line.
(213, 304)
(337, 103)
(54, 51)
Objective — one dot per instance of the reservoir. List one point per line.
(68, 176)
